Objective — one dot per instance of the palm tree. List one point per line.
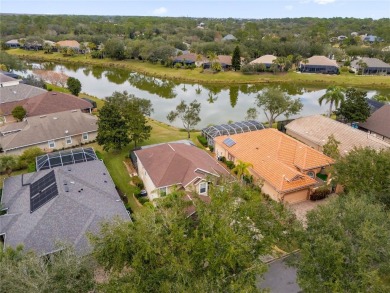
(304, 61)
(362, 66)
(334, 95)
(242, 168)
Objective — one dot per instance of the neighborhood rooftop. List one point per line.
(318, 128)
(275, 157)
(320, 60)
(40, 129)
(170, 164)
(47, 103)
(80, 199)
(18, 92)
(379, 122)
(265, 59)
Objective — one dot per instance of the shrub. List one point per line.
(137, 182)
(211, 148)
(320, 193)
(143, 200)
(222, 159)
(28, 157)
(19, 113)
(99, 155)
(230, 164)
(202, 140)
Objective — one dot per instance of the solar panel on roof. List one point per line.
(42, 190)
(229, 142)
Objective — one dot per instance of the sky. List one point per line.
(205, 8)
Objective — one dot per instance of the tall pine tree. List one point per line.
(236, 59)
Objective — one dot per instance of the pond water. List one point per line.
(219, 103)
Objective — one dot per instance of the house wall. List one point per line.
(148, 183)
(269, 190)
(59, 144)
(379, 136)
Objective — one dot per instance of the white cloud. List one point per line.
(324, 2)
(288, 7)
(160, 11)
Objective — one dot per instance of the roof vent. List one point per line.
(55, 118)
(66, 131)
(43, 116)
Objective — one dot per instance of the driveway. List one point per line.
(302, 208)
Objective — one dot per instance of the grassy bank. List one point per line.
(196, 75)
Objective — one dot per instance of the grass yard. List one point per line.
(197, 75)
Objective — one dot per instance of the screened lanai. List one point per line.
(226, 129)
(66, 157)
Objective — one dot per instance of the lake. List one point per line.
(219, 103)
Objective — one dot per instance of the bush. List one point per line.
(99, 155)
(320, 193)
(230, 164)
(202, 140)
(137, 182)
(28, 157)
(143, 200)
(211, 148)
(222, 159)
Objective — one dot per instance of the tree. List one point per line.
(64, 271)
(362, 66)
(34, 81)
(242, 169)
(125, 120)
(346, 247)
(334, 95)
(355, 107)
(275, 103)
(236, 59)
(233, 94)
(74, 85)
(251, 114)
(115, 49)
(19, 113)
(331, 148)
(112, 128)
(363, 170)
(11, 62)
(381, 98)
(188, 114)
(217, 251)
(8, 164)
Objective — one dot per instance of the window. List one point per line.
(311, 174)
(163, 191)
(68, 140)
(85, 136)
(203, 187)
(52, 144)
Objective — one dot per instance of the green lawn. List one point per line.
(196, 75)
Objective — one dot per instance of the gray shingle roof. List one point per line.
(265, 59)
(40, 129)
(19, 92)
(66, 218)
(371, 62)
(379, 121)
(318, 128)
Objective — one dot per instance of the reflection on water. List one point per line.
(220, 103)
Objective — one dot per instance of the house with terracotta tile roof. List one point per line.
(167, 166)
(46, 103)
(68, 44)
(378, 124)
(315, 130)
(286, 166)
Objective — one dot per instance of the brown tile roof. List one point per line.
(379, 121)
(226, 59)
(48, 127)
(69, 43)
(177, 163)
(321, 60)
(276, 157)
(266, 59)
(318, 128)
(47, 103)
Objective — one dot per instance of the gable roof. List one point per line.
(91, 198)
(47, 103)
(177, 163)
(18, 92)
(189, 57)
(276, 157)
(225, 59)
(318, 128)
(39, 129)
(321, 61)
(265, 59)
(229, 37)
(379, 121)
(6, 79)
